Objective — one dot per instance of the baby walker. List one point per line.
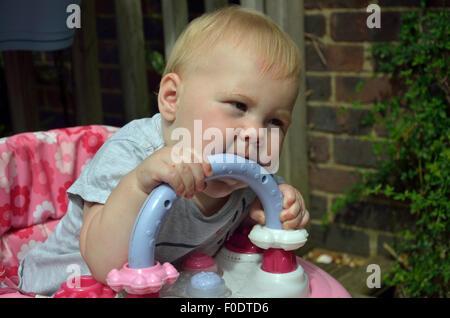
(258, 263)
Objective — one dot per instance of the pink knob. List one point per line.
(240, 243)
(279, 261)
(84, 287)
(199, 262)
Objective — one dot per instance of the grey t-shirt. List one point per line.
(183, 230)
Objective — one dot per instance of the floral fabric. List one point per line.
(36, 169)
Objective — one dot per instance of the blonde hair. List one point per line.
(242, 26)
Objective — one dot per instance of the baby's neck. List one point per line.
(208, 205)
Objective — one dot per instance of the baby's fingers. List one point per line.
(305, 220)
(291, 213)
(207, 169)
(294, 218)
(170, 175)
(257, 212)
(198, 173)
(185, 172)
(289, 195)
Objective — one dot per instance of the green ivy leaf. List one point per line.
(156, 60)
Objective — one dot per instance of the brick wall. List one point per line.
(337, 31)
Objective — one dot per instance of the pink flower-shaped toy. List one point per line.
(84, 287)
(140, 281)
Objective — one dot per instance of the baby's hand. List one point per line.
(186, 178)
(294, 214)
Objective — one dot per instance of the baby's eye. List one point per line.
(240, 106)
(276, 122)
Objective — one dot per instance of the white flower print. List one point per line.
(64, 157)
(47, 137)
(42, 211)
(26, 248)
(6, 161)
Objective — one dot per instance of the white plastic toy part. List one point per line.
(288, 240)
(245, 278)
(236, 267)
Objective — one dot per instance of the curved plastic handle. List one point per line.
(161, 199)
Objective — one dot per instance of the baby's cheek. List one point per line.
(270, 151)
(279, 145)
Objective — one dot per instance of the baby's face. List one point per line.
(228, 93)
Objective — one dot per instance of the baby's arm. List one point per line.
(106, 229)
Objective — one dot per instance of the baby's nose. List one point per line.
(252, 133)
(249, 135)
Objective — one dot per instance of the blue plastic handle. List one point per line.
(160, 201)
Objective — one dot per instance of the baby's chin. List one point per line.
(221, 188)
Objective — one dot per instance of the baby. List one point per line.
(231, 70)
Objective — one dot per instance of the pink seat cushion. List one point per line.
(36, 169)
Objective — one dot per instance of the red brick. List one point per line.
(315, 24)
(353, 152)
(318, 206)
(342, 239)
(350, 121)
(348, 26)
(343, 58)
(333, 180)
(373, 90)
(331, 119)
(320, 87)
(322, 118)
(318, 149)
(351, 26)
(382, 216)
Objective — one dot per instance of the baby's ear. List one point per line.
(169, 91)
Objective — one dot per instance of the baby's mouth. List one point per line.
(265, 165)
(258, 161)
(254, 155)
